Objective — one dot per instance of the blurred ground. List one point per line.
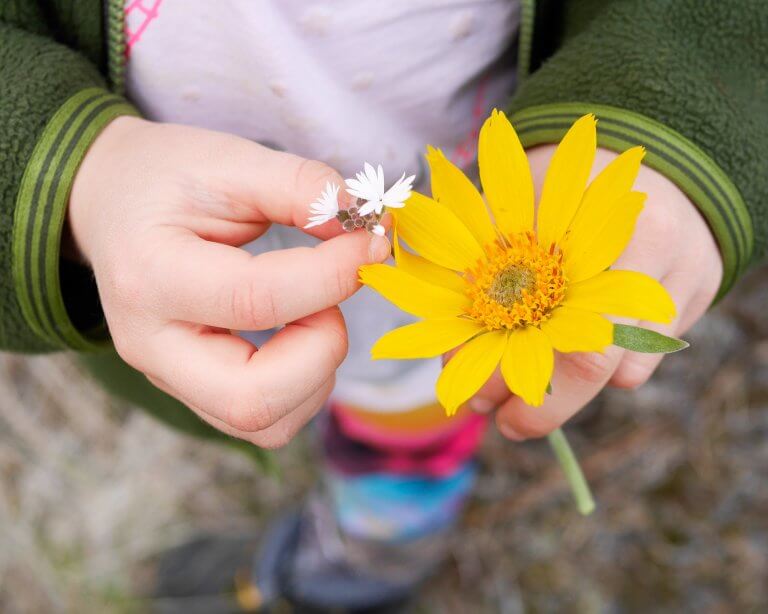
(91, 489)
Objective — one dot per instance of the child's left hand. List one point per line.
(673, 244)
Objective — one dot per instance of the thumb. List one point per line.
(218, 285)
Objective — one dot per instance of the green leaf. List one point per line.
(647, 341)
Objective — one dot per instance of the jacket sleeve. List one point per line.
(688, 80)
(53, 104)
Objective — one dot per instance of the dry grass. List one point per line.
(89, 490)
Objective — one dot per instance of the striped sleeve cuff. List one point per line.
(668, 152)
(41, 211)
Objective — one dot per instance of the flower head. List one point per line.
(369, 186)
(326, 207)
(508, 289)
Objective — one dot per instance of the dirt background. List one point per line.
(91, 489)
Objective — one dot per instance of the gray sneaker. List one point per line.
(305, 560)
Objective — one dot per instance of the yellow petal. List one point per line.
(505, 174)
(614, 181)
(469, 369)
(450, 187)
(424, 269)
(593, 247)
(623, 293)
(566, 180)
(425, 339)
(412, 294)
(436, 233)
(576, 330)
(527, 364)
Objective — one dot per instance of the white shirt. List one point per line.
(343, 81)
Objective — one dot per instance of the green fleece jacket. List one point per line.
(688, 79)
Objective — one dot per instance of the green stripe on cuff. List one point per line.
(669, 152)
(41, 212)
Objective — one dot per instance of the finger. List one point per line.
(577, 379)
(264, 185)
(230, 380)
(218, 285)
(636, 368)
(280, 433)
(706, 258)
(285, 429)
(490, 395)
(650, 250)
(493, 393)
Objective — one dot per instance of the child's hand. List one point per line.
(673, 244)
(158, 210)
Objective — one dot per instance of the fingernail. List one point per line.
(379, 248)
(481, 406)
(510, 433)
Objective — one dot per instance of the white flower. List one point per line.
(326, 207)
(379, 230)
(369, 186)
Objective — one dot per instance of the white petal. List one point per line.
(370, 174)
(369, 207)
(318, 221)
(378, 230)
(326, 207)
(355, 184)
(362, 188)
(399, 192)
(362, 194)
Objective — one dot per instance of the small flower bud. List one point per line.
(378, 229)
(359, 222)
(348, 225)
(353, 210)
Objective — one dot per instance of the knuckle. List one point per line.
(128, 282)
(253, 305)
(338, 343)
(532, 425)
(248, 415)
(345, 284)
(126, 349)
(658, 225)
(631, 375)
(590, 367)
(278, 437)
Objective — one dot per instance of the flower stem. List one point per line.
(570, 466)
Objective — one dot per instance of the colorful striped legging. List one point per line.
(399, 476)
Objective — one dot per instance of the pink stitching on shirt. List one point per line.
(466, 150)
(133, 37)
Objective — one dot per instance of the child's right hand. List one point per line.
(158, 211)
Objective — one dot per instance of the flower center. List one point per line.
(510, 283)
(518, 284)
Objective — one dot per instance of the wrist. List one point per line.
(93, 185)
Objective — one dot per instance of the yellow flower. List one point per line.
(514, 286)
